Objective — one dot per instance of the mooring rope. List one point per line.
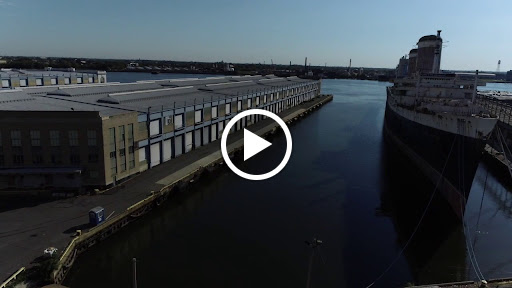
(419, 222)
(467, 234)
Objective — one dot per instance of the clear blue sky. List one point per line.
(372, 33)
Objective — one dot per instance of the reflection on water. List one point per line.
(439, 238)
(344, 185)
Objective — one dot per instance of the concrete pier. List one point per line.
(26, 232)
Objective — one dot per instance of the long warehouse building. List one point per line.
(94, 135)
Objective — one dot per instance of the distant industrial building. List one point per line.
(14, 78)
(94, 135)
(509, 76)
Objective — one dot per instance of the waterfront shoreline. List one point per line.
(209, 161)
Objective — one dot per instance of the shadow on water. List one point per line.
(437, 252)
(151, 229)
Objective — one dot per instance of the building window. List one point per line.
(249, 103)
(91, 138)
(131, 150)
(56, 155)
(35, 138)
(214, 112)
(112, 133)
(131, 157)
(123, 164)
(39, 82)
(121, 133)
(23, 82)
(178, 121)
(113, 166)
(74, 156)
(257, 101)
(239, 105)
(91, 80)
(79, 80)
(54, 138)
(113, 161)
(198, 116)
(75, 159)
(17, 159)
(66, 80)
(130, 132)
(6, 84)
(53, 81)
(265, 99)
(73, 138)
(228, 108)
(16, 138)
(93, 157)
(37, 155)
(271, 97)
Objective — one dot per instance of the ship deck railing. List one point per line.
(497, 108)
(455, 106)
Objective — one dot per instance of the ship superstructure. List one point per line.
(433, 118)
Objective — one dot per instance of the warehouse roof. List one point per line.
(118, 98)
(9, 72)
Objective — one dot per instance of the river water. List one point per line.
(344, 184)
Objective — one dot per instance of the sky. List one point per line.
(372, 33)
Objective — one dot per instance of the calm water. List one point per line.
(497, 86)
(344, 184)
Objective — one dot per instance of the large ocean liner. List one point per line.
(433, 118)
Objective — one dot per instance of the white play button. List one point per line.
(253, 144)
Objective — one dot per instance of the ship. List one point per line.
(435, 120)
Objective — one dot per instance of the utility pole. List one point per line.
(313, 245)
(134, 272)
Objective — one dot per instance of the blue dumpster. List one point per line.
(96, 215)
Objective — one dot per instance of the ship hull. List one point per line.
(448, 160)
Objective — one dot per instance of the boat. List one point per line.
(433, 118)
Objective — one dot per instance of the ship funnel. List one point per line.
(436, 65)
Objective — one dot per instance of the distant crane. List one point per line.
(499, 64)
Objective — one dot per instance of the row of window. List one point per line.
(18, 158)
(54, 138)
(185, 142)
(7, 83)
(199, 117)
